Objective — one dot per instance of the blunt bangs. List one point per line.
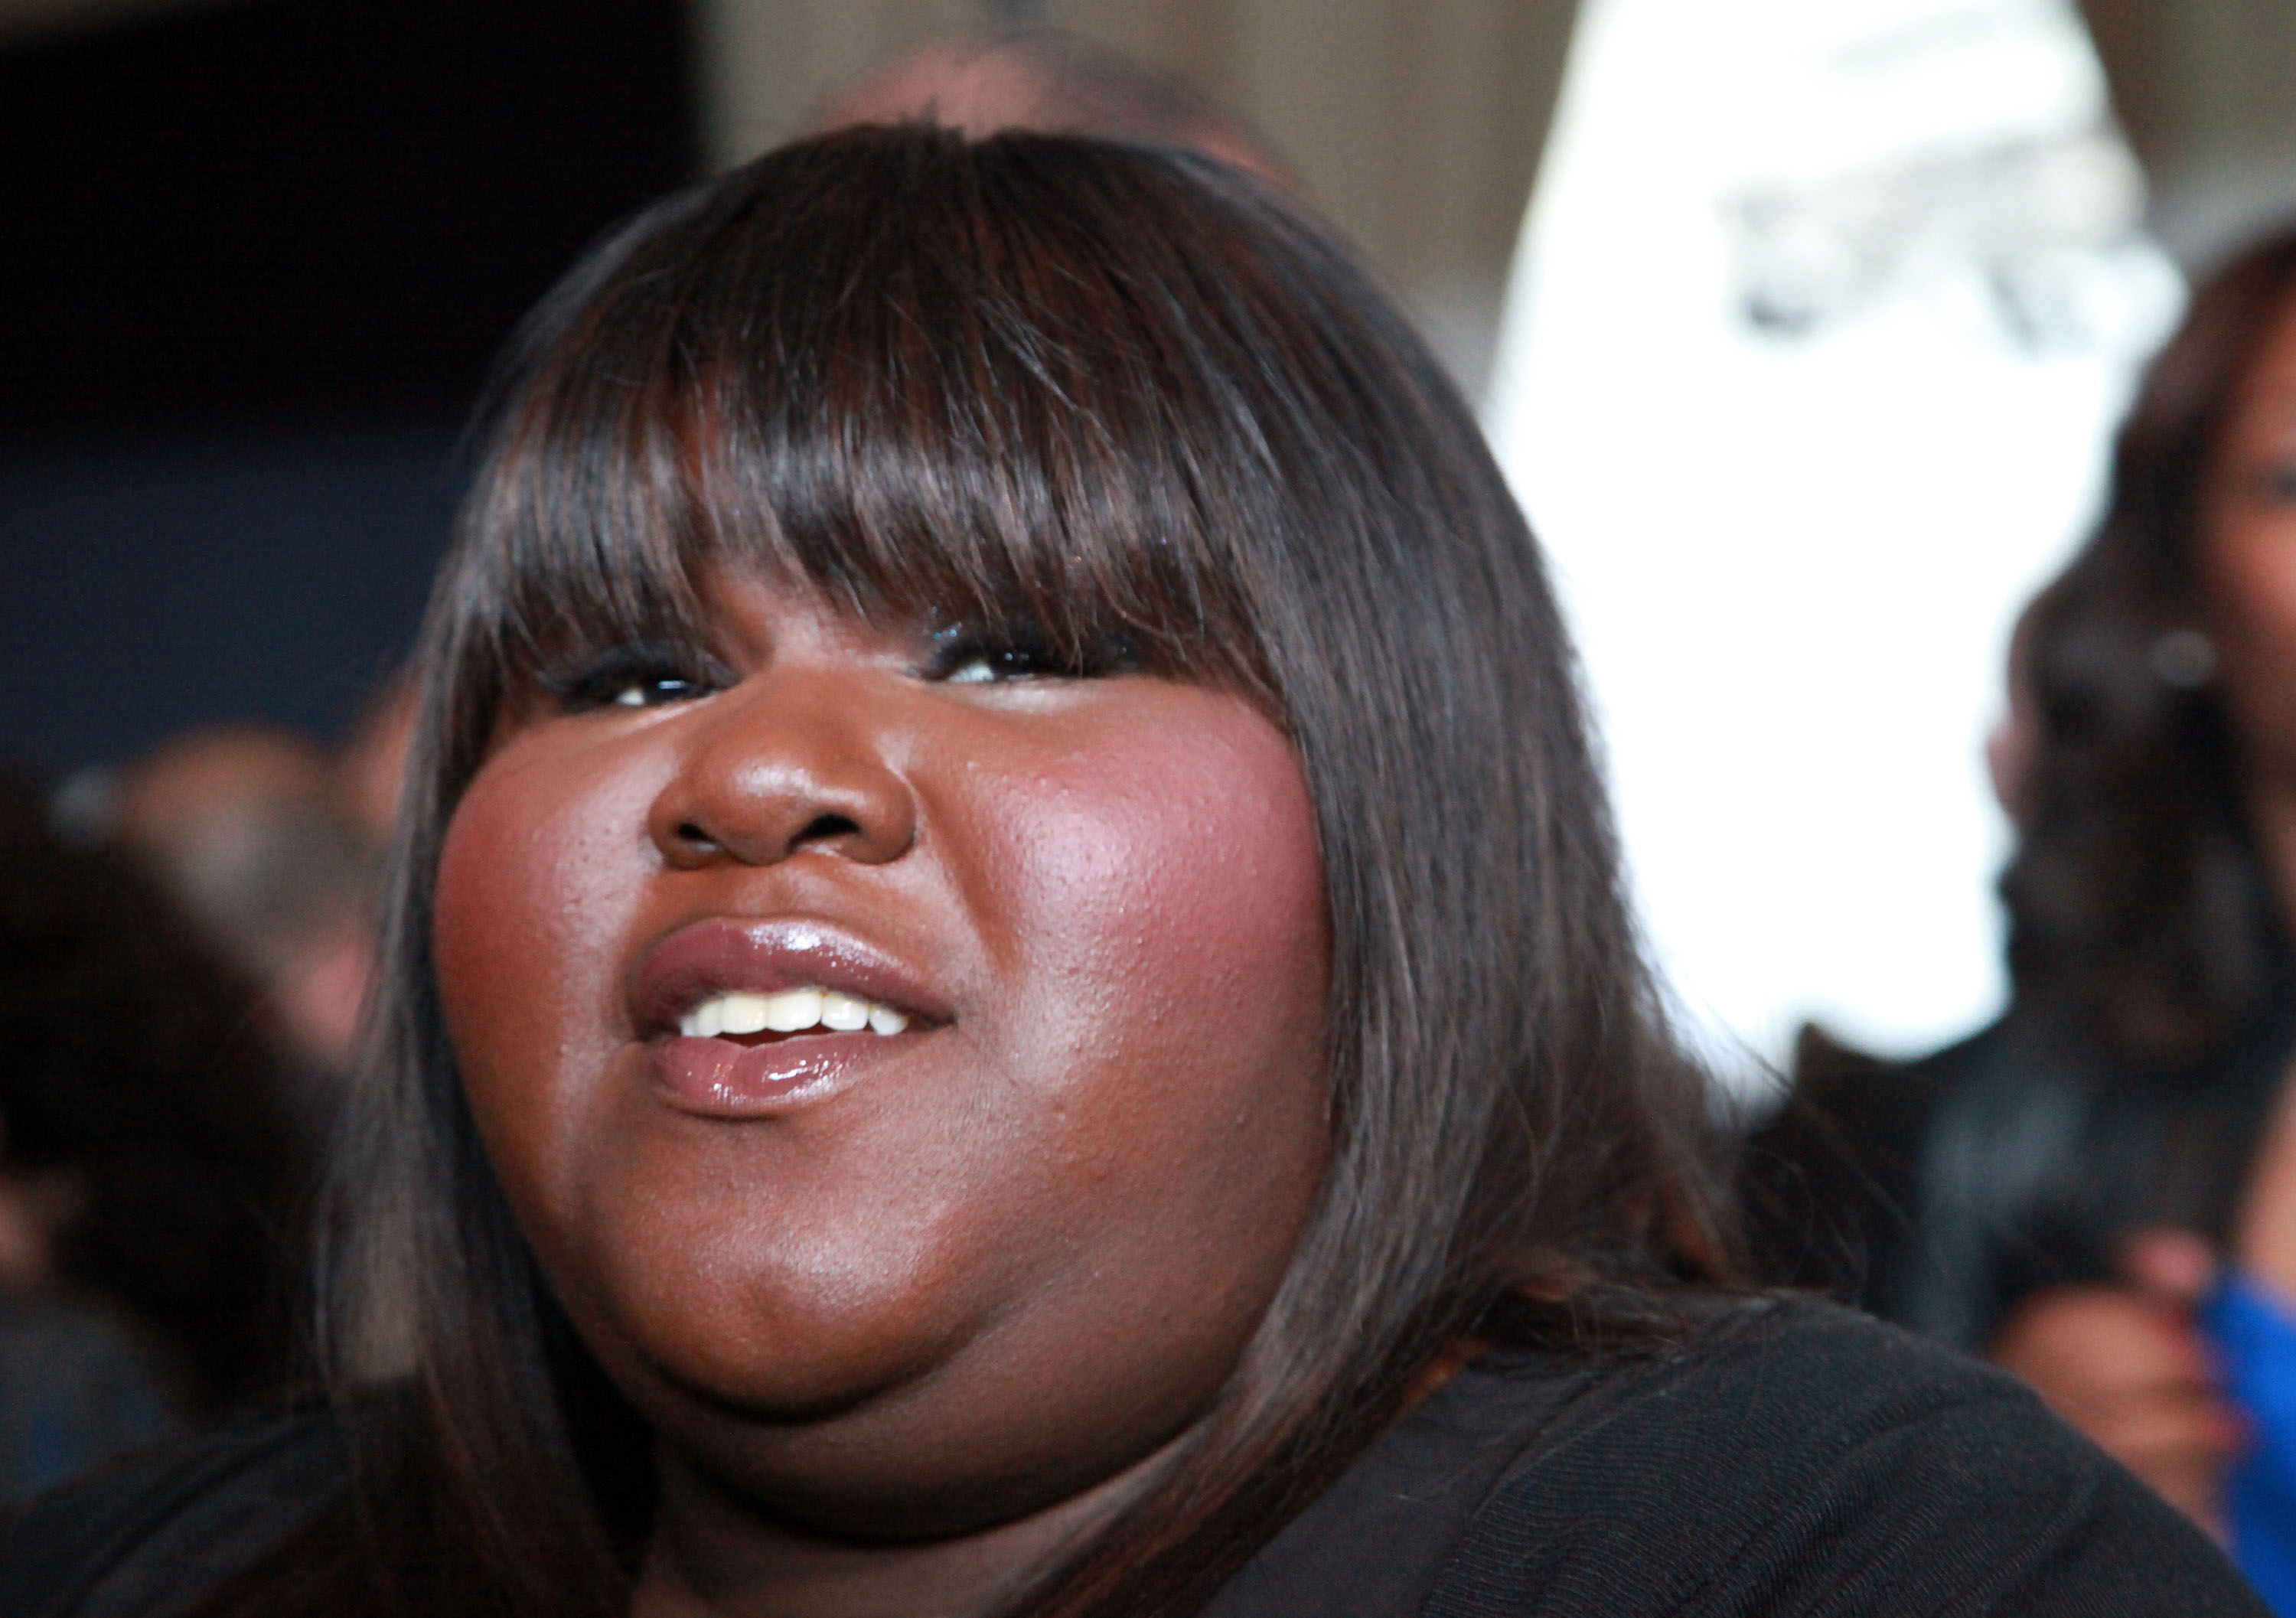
(927, 400)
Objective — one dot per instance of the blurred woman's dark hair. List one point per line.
(2139, 903)
(134, 1069)
(1129, 396)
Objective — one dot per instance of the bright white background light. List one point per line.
(1821, 317)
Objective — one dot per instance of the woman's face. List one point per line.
(2247, 555)
(987, 1209)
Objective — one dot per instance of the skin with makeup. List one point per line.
(840, 1009)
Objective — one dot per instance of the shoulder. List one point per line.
(1795, 1457)
(152, 1534)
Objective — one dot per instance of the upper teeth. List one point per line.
(790, 1012)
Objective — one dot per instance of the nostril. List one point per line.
(823, 827)
(691, 834)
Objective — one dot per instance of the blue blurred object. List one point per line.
(2256, 1336)
(75, 1389)
(151, 589)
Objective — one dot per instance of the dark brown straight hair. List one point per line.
(1116, 392)
(2138, 900)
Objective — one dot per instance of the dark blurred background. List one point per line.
(258, 257)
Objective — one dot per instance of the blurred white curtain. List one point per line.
(1820, 321)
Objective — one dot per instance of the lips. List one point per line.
(701, 1062)
(726, 955)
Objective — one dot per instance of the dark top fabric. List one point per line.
(1795, 1460)
(1791, 1459)
(1940, 1194)
(155, 1536)
(76, 1387)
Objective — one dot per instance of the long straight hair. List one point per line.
(1119, 391)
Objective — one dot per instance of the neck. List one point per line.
(716, 1554)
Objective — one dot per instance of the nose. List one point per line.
(778, 768)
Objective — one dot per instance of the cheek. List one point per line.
(1164, 892)
(2255, 579)
(542, 867)
(2252, 579)
(1189, 900)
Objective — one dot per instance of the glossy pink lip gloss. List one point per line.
(721, 1078)
(748, 1077)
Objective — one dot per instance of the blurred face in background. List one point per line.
(2247, 555)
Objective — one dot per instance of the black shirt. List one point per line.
(1941, 1194)
(1790, 1459)
(1793, 1460)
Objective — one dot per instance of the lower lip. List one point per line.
(719, 1079)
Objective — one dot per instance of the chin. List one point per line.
(873, 1421)
(924, 1461)
(767, 1356)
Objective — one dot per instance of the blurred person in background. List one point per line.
(371, 772)
(1046, 79)
(146, 1167)
(2099, 1191)
(273, 846)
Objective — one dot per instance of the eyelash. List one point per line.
(964, 654)
(643, 674)
(652, 674)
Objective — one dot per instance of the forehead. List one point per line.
(755, 612)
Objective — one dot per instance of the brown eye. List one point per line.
(652, 693)
(631, 676)
(964, 654)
